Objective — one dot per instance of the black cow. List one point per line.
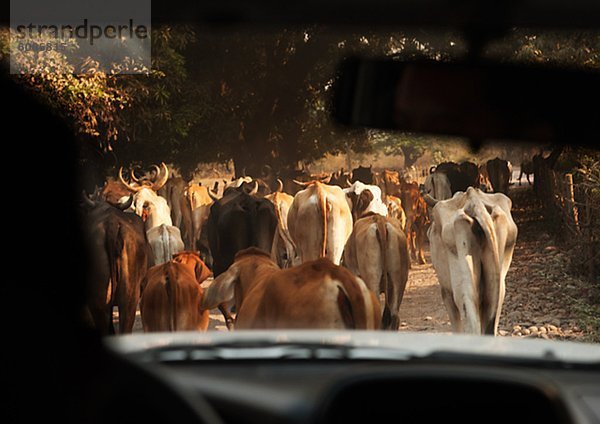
(121, 256)
(289, 176)
(527, 170)
(460, 176)
(499, 173)
(363, 174)
(470, 172)
(340, 179)
(257, 186)
(237, 221)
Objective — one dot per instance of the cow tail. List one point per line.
(322, 202)
(382, 238)
(491, 276)
(171, 290)
(359, 310)
(290, 246)
(114, 247)
(166, 236)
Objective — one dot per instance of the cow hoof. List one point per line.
(229, 323)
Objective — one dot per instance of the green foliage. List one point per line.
(259, 98)
(90, 101)
(164, 102)
(411, 146)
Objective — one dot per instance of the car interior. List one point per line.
(59, 369)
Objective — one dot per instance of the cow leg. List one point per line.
(415, 247)
(177, 218)
(102, 319)
(411, 243)
(393, 296)
(386, 319)
(408, 249)
(127, 316)
(195, 236)
(453, 314)
(528, 179)
(229, 321)
(419, 246)
(390, 319)
(276, 253)
(464, 298)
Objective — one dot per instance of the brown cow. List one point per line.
(391, 183)
(121, 255)
(417, 220)
(484, 180)
(114, 191)
(192, 260)
(172, 293)
(316, 294)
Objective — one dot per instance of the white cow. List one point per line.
(199, 199)
(165, 241)
(437, 186)
(320, 222)
(283, 250)
(153, 208)
(377, 252)
(472, 238)
(237, 182)
(365, 198)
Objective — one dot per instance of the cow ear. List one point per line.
(221, 290)
(202, 272)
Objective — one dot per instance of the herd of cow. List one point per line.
(327, 251)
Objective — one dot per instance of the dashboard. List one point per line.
(343, 391)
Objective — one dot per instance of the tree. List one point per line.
(259, 99)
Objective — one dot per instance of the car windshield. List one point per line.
(225, 141)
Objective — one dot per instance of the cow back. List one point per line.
(238, 221)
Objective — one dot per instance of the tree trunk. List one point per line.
(410, 156)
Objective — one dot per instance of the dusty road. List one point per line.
(542, 298)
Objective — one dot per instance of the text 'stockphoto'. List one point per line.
(68, 37)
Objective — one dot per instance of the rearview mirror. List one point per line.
(483, 101)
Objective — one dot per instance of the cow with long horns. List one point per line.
(147, 203)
